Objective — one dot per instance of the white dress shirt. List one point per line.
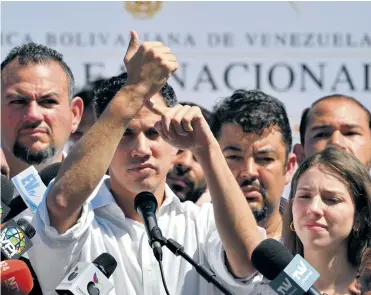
(103, 227)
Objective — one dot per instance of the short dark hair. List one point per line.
(205, 112)
(254, 111)
(108, 89)
(37, 54)
(87, 92)
(305, 116)
(349, 170)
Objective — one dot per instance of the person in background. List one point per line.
(254, 133)
(186, 178)
(336, 120)
(38, 110)
(88, 118)
(328, 220)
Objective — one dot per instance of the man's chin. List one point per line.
(259, 211)
(181, 196)
(35, 147)
(144, 184)
(254, 204)
(34, 154)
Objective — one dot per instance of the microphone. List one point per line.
(16, 238)
(289, 275)
(50, 172)
(145, 204)
(17, 205)
(7, 193)
(89, 278)
(16, 278)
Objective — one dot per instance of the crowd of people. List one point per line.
(218, 176)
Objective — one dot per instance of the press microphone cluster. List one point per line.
(289, 275)
(15, 206)
(89, 278)
(16, 235)
(16, 278)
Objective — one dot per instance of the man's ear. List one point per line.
(77, 108)
(299, 152)
(290, 167)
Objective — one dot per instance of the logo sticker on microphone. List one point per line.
(13, 241)
(296, 278)
(74, 274)
(94, 287)
(30, 186)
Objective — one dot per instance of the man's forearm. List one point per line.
(235, 222)
(89, 159)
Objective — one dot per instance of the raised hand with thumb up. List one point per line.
(148, 65)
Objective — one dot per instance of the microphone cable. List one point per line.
(163, 277)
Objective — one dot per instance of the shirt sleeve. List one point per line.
(52, 254)
(216, 258)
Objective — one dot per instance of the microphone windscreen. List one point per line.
(15, 272)
(7, 190)
(49, 173)
(28, 229)
(270, 258)
(107, 263)
(145, 197)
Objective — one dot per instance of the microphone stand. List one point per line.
(178, 250)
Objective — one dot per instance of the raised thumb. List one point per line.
(133, 45)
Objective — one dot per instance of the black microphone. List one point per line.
(50, 172)
(89, 278)
(16, 238)
(288, 274)
(7, 193)
(145, 204)
(17, 205)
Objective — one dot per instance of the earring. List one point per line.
(292, 226)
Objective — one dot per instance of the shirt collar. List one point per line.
(102, 196)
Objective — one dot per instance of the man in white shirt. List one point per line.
(135, 137)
